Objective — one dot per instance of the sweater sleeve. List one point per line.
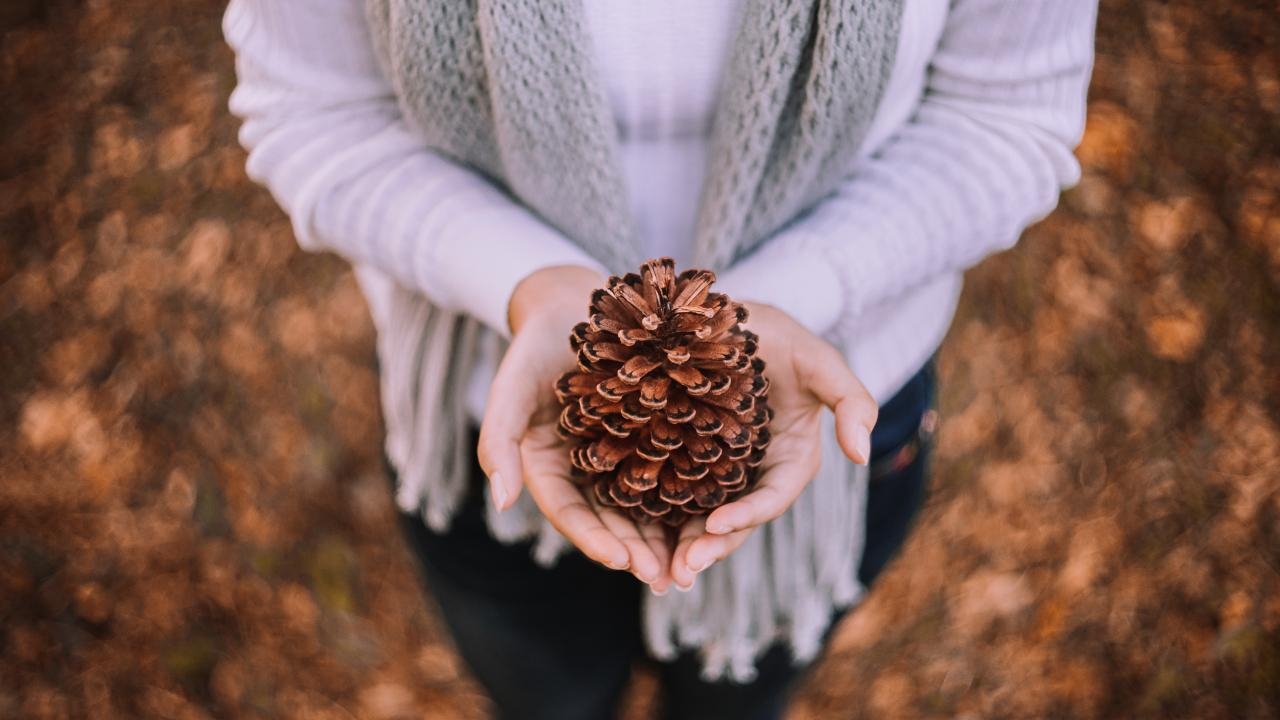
(986, 153)
(324, 133)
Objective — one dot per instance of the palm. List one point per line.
(543, 453)
(805, 375)
(797, 414)
(523, 410)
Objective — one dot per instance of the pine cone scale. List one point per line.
(667, 414)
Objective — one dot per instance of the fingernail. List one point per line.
(498, 490)
(646, 580)
(615, 565)
(684, 588)
(720, 529)
(862, 443)
(658, 592)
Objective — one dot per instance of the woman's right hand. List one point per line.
(519, 446)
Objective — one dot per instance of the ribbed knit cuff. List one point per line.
(794, 278)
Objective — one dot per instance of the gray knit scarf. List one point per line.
(509, 88)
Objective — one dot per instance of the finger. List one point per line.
(643, 561)
(707, 550)
(681, 575)
(779, 487)
(510, 405)
(826, 374)
(655, 534)
(568, 511)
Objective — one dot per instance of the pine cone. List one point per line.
(667, 415)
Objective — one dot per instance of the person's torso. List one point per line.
(661, 64)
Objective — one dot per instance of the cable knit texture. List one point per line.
(505, 86)
(802, 88)
(971, 141)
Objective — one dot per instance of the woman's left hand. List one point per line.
(806, 374)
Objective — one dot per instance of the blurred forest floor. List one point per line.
(194, 522)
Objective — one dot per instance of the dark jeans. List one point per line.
(559, 642)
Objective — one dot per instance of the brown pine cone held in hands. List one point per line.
(667, 415)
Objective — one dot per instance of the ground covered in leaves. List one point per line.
(194, 522)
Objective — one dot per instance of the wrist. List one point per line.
(760, 314)
(559, 294)
(800, 282)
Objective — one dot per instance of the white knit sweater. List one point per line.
(972, 142)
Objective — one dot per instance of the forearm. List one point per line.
(987, 153)
(324, 133)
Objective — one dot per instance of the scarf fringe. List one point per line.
(424, 352)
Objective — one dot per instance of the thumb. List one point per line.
(826, 374)
(508, 410)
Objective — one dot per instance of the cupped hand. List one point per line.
(806, 374)
(519, 446)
